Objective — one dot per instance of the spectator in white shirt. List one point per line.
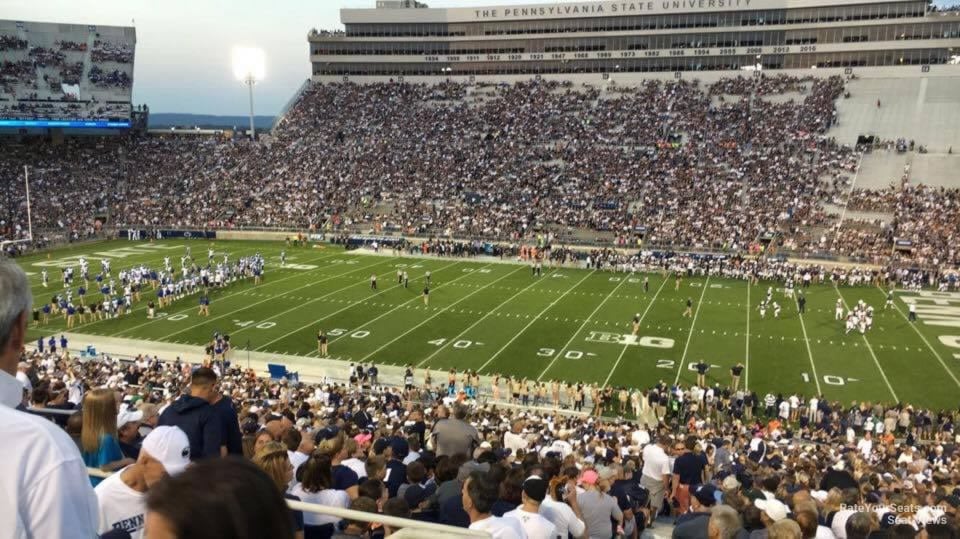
(656, 473)
(564, 516)
(865, 445)
(479, 492)
(42, 476)
(534, 524)
(122, 496)
(22, 377)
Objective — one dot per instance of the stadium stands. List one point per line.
(57, 72)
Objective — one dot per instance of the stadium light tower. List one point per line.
(249, 66)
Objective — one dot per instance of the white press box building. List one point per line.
(651, 37)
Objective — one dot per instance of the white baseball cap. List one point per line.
(170, 446)
(775, 509)
(128, 417)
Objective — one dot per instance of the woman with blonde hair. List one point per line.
(274, 460)
(331, 442)
(98, 438)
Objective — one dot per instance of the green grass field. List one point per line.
(569, 324)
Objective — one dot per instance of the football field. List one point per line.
(570, 324)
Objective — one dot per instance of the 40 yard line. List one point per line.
(481, 319)
(686, 347)
(355, 303)
(535, 318)
(626, 346)
(438, 313)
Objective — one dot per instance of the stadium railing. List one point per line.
(434, 530)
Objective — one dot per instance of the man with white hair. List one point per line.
(41, 473)
(122, 496)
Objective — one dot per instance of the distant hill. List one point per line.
(160, 120)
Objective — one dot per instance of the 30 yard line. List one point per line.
(273, 298)
(535, 318)
(870, 348)
(441, 311)
(925, 341)
(626, 346)
(579, 329)
(357, 302)
(481, 319)
(686, 347)
(806, 341)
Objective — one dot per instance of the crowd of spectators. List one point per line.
(14, 43)
(659, 162)
(107, 51)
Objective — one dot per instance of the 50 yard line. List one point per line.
(626, 346)
(686, 347)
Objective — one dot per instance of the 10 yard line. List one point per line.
(806, 341)
(481, 319)
(535, 318)
(411, 330)
(870, 348)
(690, 335)
(624, 351)
(579, 329)
(925, 341)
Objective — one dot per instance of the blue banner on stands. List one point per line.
(135, 234)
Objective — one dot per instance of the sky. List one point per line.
(183, 51)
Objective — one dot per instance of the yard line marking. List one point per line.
(481, 319)
(626, 346)
(441, 311)
(696, 313)
(359, 301)
(746, 368)
(925, 341)
(579, 329)
(313, 283)
(535, 318)
(870, 348)
(803, 326)
(142, 305)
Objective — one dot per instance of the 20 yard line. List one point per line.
(535, 318)
(579, 329)
(870, 348)
(481, 319)
(626, 346)
(686, 347)
(441, 311)
(925, 341)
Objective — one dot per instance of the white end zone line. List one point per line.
(806, 341)
(626, 346)
(683, 358)
(481, 319)
(585, 321)
(354, 304)
(925, 341)
(535, 318)
(438, 313)
(870, 348)
(271, 298)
